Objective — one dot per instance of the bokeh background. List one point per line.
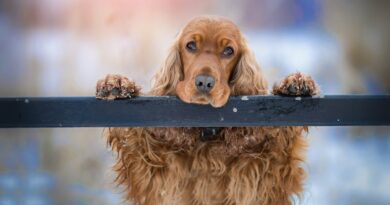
(62, 47)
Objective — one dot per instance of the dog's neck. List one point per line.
(209, 133)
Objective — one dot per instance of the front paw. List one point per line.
(116, 86)
(296, 84)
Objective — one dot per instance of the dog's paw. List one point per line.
(296, 84)
(116, 86)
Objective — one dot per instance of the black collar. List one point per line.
(209, 133)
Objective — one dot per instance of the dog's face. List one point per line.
(209, 53)
(209, 61)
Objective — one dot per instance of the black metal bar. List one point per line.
(166, 111)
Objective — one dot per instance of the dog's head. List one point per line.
(209, 61)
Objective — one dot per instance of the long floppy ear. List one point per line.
(170, 73)
(247, 78)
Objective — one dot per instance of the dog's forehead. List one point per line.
(211, 25)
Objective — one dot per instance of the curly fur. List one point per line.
(244, 165)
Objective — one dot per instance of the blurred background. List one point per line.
(62, 47)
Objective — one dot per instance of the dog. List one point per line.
(208, 62)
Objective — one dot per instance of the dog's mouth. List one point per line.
(217, 97)
(203, 99)
(207, 99)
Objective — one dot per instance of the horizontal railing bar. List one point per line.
(330, 110)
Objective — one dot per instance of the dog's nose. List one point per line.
(204, 83)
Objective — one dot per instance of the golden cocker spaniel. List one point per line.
(209, 61)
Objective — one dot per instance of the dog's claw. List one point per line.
(292, 89)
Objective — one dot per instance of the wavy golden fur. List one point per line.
(242, 165)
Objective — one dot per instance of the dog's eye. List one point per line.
(191, 46)
(228, 51)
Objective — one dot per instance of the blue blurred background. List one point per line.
(61, 48)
